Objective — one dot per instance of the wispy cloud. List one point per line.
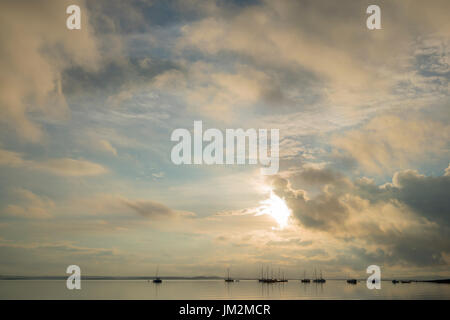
(58, 166)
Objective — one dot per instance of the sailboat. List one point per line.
(315, 276)
(267, 278)
(351, 281)
(283, 279)
(304, 280)
(157, 279)
(261, 279)
(321, 280)
(318, 280)
(228, 279)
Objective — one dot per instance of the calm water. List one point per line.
(216, 289)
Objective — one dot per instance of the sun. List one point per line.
(276, 208)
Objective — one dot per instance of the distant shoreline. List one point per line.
(105, 278)
(2, 277)
(436, 281)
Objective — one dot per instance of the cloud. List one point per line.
(406, 220)
(325, 212)
(11, 158)
(106, 146)
(71, 167)
(209, 88)
(239, 212)
(47, 257)
(390, 141)
(317, 176)
(36, 48)
(158, 175)
(154, 210)
(61, 246)
(113, 209)
(30, 206)
(427, 196)
(286, 36)
(60, 166)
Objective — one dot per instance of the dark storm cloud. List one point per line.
(354, 212)
(426, 196)
(420, 249)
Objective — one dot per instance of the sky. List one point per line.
(86, 117)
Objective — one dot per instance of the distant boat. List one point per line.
(271, 279)
(352, 281)
(436, 281)
(283, 279)
(265, 278)
(405, 281)
(280, 277)
(228, 279)
(157, 279)
(305, 280)
(315, 276)
(395, 281)
(261, 278)
(319, 280)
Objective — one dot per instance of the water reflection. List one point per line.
(217, 289)
(157, 288)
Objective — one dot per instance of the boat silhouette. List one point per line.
(305, 280)
(157, 279)
(320, 279)
(261, 278)
(268, 279)
(282, 278)
(228, 279)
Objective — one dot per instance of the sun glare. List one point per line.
(276, 208)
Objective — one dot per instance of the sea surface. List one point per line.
(217, 289)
